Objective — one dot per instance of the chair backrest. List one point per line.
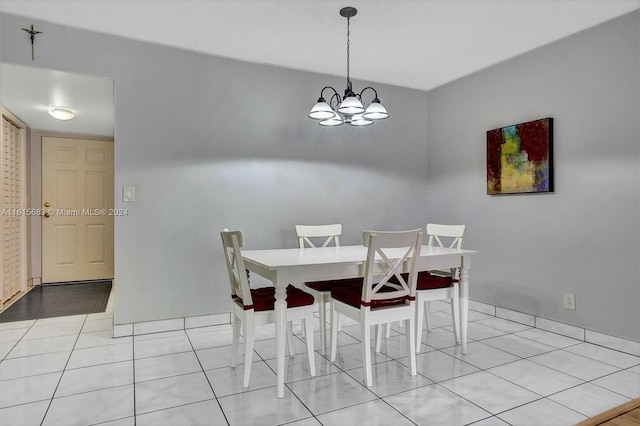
(232, 241)
(380, 243)
(328, 232)
(445, 235)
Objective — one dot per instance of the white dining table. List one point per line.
(297, 265)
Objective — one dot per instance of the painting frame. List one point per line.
(520, 158)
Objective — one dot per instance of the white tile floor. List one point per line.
(70, 371)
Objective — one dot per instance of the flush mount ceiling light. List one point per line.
(347, 109)
(61, 113)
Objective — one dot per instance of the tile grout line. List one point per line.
(64, 369)
(555, 349)
(18, 341)
(485, 370)
(311, 378)
(542, 397)
(435, 382)
(506, 333)
(133, 374)
(206, 377)
(398, 360)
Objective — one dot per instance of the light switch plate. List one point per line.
(128, 194)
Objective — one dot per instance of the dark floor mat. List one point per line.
(57, 300)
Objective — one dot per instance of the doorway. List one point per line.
(77, 195)
(30, 92)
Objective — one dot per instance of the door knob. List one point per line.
(47, 204)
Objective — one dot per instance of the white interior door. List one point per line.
(13, 202)
(77, 194)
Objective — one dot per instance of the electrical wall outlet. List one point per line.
(570, 301)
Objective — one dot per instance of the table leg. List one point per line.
(281, 335)
(464, 304)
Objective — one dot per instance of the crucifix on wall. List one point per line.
(32, 37)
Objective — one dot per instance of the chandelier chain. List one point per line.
(348, 49)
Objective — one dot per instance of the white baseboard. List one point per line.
(579, 333)
(597, 338)
(139, 328)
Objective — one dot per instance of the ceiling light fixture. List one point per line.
(347, 109)
(61, 113)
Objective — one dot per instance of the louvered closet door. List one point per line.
(13, 210)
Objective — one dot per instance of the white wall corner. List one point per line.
(122, 330)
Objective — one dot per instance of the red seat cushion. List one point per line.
(264, 298)
(352, 295)
(426, 281)
(331, 284)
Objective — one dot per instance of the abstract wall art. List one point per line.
(520, 158)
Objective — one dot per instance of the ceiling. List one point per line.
(410, 43)
(30, 92)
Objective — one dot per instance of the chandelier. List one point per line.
(347, 109)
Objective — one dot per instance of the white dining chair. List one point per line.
(375, 302)
(254, 307)
(440, 285)
(437, 285)
(314, 236)
(318, 235)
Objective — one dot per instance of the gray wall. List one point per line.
(210, 142)
(582, 239)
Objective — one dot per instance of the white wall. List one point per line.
(584, 238)
(209, 142)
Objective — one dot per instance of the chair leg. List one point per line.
(365, 332)
(249, 338)
(379, 336)
(235, 338)
(426, 315)
(334, 332)
(411, 345)
(308, 330)
(322, 314)
(388, 333)
(455, 311)
(290, 338)
(419, 318)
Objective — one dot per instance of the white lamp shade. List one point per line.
(321, 111)
(351, 105)
(360, 120)
(60, 113)
(336, 120)
(376, 111)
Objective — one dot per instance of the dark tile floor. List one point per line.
(57, 300)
